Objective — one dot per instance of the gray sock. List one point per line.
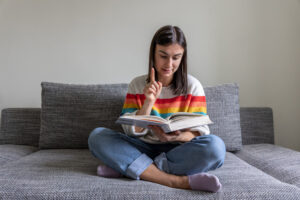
(205, 182)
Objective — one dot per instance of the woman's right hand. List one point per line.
(153, 89)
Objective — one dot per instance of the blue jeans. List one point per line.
(131, 156)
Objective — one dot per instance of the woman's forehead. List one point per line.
(171, 49)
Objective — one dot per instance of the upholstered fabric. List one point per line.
(279, 162)
(257, 125)
(20, 126)
(11, 152)
(70, 112)
(71, 174)
(224, 110)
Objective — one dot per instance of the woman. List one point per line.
(179, 159)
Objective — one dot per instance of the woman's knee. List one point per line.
(217, 149)
(96, 136)
(214, 148)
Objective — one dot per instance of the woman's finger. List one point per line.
(176, 132)
(152, 75)
(156, 85)
(152, 91)
(159, 84)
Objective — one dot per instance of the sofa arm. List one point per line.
(257, 125)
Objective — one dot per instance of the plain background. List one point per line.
(255, 43)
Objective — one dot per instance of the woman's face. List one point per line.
(167, 60)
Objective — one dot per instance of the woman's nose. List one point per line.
(170, 62)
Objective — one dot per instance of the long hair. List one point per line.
(167, 35)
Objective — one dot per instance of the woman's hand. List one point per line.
(185, 135)
(153, 89)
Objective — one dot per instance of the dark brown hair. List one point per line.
(167, 35)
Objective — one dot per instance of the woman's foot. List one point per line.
(204, 182)
(105, 171)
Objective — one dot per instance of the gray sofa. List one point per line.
(44, 154)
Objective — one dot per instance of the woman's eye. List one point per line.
(176, 58)
(163, 56)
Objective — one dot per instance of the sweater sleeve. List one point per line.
(198, 105)
(131, 105)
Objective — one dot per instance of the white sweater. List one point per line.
(166, 104)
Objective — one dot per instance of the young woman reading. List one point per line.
(178, 159)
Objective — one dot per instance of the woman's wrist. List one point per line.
(146, 109)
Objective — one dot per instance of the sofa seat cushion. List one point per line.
(11, 152)
(71, 174)
(279, 162)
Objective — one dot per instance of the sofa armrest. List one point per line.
(257, 125)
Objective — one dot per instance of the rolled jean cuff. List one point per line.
(137, 167)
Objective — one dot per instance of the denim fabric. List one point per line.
(130, 156)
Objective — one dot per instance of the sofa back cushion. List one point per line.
(20, 126)
(224, 110)
(70, 112)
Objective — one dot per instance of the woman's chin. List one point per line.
(167, 76)
(167, 73)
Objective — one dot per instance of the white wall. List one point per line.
(255, 43)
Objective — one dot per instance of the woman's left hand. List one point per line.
(185, 135)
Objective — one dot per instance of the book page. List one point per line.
(182, 115)
(147, 118)
(140, 121)
(182, 122)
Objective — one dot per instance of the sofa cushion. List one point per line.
(257, 125)
(70, 112)
(71, 174)
(20, 126)
(11, 152)
(279, 162)
(224, 110)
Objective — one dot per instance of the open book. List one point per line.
(176, 121)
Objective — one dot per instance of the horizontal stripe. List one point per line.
(197, 109)
(168, 106)
(154, 112)
(177, 102)
(197, 104)
(128, 110)
(165, 115)
(180, 104)
(130, 101)
(180, 109)
(168, 110)
(132, 105)
(169, 100)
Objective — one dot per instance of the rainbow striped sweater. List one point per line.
(165, 105)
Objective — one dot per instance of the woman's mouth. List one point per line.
(167, 70)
